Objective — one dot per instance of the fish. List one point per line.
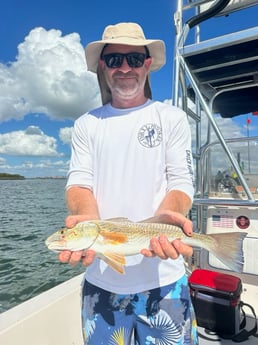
(114, 239)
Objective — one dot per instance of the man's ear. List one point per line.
(148, 62)
(101, 64)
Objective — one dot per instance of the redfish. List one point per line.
(114, 239)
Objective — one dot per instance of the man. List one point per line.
(132, 158)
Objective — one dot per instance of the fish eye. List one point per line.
(62, 230)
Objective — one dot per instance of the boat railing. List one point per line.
(205, 177)
(224, 202)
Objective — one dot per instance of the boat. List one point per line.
(214, 80)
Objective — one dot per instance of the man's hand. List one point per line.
(162, 247)
(85, 256)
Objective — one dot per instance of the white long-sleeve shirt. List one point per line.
(130, 159)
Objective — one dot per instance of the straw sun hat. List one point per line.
(127, 34)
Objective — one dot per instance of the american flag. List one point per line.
(222, 221)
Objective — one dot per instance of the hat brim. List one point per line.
(156, 49)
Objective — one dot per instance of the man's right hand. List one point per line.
(73, 258)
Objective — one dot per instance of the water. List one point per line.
(30, 210)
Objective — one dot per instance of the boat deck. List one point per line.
(32, 321)
(206, 338)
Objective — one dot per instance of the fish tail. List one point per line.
(228, 248)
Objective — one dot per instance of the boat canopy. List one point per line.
(225, 68)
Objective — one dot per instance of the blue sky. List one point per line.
(44, 82)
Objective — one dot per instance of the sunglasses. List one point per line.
(115, 60)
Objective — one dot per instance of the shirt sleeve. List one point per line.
(80, 171)
(180, 172)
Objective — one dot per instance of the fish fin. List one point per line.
(228, 248)
(113, 237)
(119, 219)
(150, 220)
(115, 261)
(161, 219)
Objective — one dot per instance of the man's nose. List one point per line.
(125, 66)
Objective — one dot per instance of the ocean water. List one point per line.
(30, 210)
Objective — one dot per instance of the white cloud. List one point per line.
(38, 167)
(240, 149)
(50, 164)
(3, 164)
(33, 130)
(227, 126)
(49, 76)
(31, 142)
(65, 135)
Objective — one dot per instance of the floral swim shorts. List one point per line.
(161, 316)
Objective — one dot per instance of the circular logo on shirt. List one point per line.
(150, 135)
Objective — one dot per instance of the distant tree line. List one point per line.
(5, 176)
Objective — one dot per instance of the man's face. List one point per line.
(125, 82)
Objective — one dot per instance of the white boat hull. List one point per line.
(51, 318)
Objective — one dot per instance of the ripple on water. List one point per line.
(30, 211)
